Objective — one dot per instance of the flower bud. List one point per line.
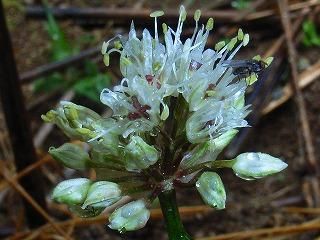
(130, 217)
(251, 165)
(222, 141)
(211, 189)
(102, 194)
(71, 192)
(139, 155)
(75, 121)
(71, 156)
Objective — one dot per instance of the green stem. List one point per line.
(171, 215)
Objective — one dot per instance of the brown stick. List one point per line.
(60, 65)
(5, 173)
(276, 231)
(127, 14)
(80, 222)
(18, 122)
(26, 171)
(305, 79)
(313, 166)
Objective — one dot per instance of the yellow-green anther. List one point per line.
(86, 132)
(125, 61)
(183, 13)
(210, 93)
(251, 79)
(197, 15)
(104, 48)
(157, 14)
(246, 39)
(209, 25)
(117, 44)
(49, 116)
(232, 43)
(106, 59)
(71, 113)
(219, 45)
(156, 66)
(257, 58)
(240, 34)
(268, 60)
(164, 28)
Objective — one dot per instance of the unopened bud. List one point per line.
(211, 189)
(252, 165)
(72, 192)
(71, 156)
(130, 217)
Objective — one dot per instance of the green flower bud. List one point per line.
(251, 165)
(212, 190)
(130, 217)
(207, 151)
(102, 194)
(139, 155)
(222, 141)
(71, 192)
(75, 121)
(71, 156)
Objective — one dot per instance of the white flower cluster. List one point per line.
(175, 110)
(153, 72)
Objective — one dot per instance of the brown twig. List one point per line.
(60, 65)
(80, 222)
(33, 203)
(275, 231)
(26, 171)
(127, 14)
(313, 166)
(305, 79)
(17, 122)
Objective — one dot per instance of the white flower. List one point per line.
(153, 71)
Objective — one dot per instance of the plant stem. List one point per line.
(171, 215)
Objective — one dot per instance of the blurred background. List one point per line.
(56, 49)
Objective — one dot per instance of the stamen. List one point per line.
(155, 15)
(245, 39)
(209, 25)
(240, 34)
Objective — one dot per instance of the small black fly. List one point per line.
(244, 68)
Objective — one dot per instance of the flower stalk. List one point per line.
(171, 216)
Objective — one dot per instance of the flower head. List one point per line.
(177, 107)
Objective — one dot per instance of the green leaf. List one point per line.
(49, 84)
(310, 35)
(60, 47)
(91, 86)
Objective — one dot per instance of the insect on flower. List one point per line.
(244, 68)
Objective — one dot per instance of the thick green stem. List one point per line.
(171, 215)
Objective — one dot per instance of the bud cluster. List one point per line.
(177, 107)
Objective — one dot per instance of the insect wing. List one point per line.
(235, 63)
